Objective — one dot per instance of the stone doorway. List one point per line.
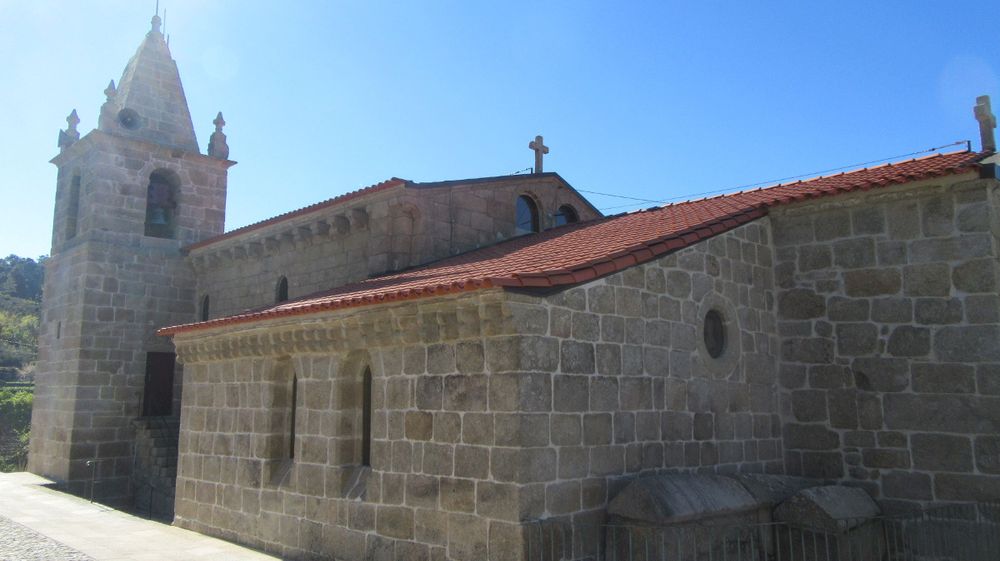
(158, 391)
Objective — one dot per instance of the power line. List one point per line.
(768, 181)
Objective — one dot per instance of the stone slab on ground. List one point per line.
(99, 533)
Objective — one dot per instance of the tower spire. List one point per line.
(149, 102)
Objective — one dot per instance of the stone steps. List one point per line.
(156, 465)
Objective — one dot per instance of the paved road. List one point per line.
(18, 543)
(37, 523)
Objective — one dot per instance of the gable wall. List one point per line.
(890, 326)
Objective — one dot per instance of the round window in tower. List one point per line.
(714, 333)
(128, 119)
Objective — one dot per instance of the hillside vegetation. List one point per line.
(20, 303)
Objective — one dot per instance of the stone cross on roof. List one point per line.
(987, 122)
(540, 149)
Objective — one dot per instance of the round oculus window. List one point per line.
(715, 334)
(128, 119)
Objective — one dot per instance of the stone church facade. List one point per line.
(417, 370)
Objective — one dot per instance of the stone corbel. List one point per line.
(255, 249)
(321, 228)
(359, 218)
(341, 224)
(272, 244)
(303, 236)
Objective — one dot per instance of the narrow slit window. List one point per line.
(204, 308)
(281, 290)
(73, 207)
(291, 422)
(366, 419)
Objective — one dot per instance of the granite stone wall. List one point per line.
(635, 391)
(445, 474)
(374, 234)
(107, 289)
(889, 318)
(489, 409)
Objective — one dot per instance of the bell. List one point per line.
(158, 216)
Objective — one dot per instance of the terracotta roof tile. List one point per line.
(588, 250)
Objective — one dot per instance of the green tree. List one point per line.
(21, 277)
(15, 424)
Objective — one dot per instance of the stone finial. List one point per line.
(70, 135)
(155, 24)
(219, 122)
(540, 149)
(106, 120)
(217, 147)
(987, 123)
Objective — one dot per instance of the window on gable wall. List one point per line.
(527, 215)
(566, 215)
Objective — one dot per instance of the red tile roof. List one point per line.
(387, 184)
(588, 250)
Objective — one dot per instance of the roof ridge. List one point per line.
(811, 179)
(596, 248)
(333, 201)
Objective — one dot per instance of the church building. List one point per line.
(420, 370)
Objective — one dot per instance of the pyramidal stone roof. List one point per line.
(150, 103)
(589, 250)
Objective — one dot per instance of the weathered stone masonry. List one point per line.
(489, 409)
(404, 226)
(107, 289)
(890, 325)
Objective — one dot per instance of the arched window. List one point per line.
(527, 215)
(161, 204)
(366, 418)
(566, 215)
(204, 308)
(281, 291)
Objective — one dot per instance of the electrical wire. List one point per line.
(765, 182)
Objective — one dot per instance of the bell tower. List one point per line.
(129, 196)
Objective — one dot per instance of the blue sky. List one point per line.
(654, 100)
